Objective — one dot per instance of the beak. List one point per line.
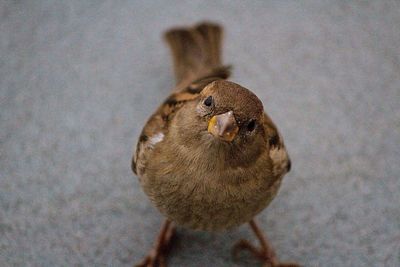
(223, 126)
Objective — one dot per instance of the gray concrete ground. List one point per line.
(79, 78)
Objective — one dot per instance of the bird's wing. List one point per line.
(157, 125)
(280, 160)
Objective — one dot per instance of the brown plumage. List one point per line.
(209, 158)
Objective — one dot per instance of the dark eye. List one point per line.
(251, 125)
(208, 101)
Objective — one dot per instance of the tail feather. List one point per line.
(196, 52)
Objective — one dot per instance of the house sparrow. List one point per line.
(209, 158)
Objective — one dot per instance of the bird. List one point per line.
(209, 158)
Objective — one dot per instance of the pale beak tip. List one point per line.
(223, 126)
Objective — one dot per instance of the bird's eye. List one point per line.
(251, 125)
(208, 101)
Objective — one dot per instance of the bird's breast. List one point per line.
(192, 192)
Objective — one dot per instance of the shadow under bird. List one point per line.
(209, 158)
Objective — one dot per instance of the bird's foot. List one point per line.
(153, 259)
(266, 255)
(157, 255)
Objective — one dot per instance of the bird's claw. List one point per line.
(153, 260)
(268, 257)
(158, 254)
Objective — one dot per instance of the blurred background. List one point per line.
(78, 80)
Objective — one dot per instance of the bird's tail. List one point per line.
(196, 52)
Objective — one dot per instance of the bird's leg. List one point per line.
(266, 253)
(157, 254)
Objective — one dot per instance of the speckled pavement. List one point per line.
(78, 79)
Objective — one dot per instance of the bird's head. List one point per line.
(227, 118)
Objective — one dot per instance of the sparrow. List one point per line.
(209, 158)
